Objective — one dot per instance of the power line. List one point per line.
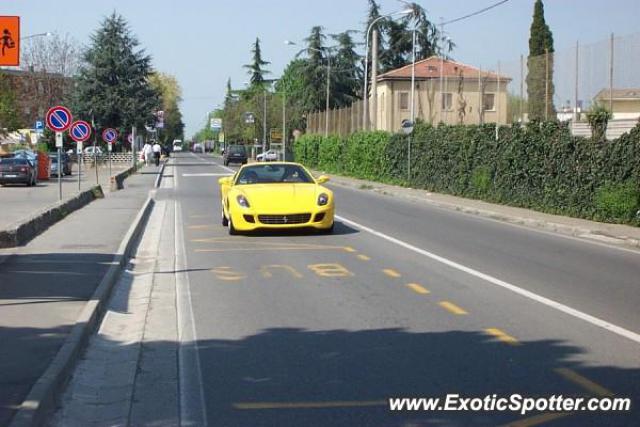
(478, 12)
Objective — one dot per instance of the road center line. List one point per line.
(618, 330)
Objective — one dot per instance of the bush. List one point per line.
(615, 201)
(539, 166)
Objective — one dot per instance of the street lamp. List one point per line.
(326, 110)
(365, 97)
(47, 34)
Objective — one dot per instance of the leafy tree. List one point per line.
(256, 68)
(346, 74)
(540, 67)
(171, 95)
(316, 68)
(9, 119)
(113, 84)
(297, 87)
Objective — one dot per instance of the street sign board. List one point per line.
(160, 119)
(78, 147)
(10, 40)
(216, 124)
(39, 125)
(58, 139)
(406, 126)
(249, 118)
(110, 146)
(59, 118)
(276, 135)
(80, 131)
(109, 135)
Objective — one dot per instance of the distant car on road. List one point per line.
(235, 154)
(89, 150)
(267, 156)
(17, 170)
(66, 164)
(198, 148)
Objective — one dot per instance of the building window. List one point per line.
(489, 102)
(447, 101)
(403, 101)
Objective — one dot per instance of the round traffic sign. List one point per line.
(109, 135)
(130, 138)
(80, 131)
(59, 118)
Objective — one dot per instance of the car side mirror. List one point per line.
(225, 180)
(322, 179)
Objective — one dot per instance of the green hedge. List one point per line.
(539, 166)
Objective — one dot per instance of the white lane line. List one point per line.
(493, 280)
(204, 174)
(192, 400)
(233, 171)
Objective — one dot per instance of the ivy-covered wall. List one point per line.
(539, 166)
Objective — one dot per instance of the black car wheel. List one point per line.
(232, 229)
(225, 221)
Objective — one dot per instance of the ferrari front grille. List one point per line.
(285, 219)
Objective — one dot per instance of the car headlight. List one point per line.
(242, 201)
(323, 199)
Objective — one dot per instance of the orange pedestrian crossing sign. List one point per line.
(10, 40)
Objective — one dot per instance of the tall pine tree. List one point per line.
(540, 87)
(113, 83)
(256, 68)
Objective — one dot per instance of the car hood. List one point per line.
(281, 198)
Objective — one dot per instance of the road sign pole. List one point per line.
(59, 147)
(79, 151)
(110, 147)
(95, 155)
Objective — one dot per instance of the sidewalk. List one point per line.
(19, 202)
(44, 285)
(615, 234)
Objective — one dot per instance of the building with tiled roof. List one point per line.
(445, 91)
(625, 103)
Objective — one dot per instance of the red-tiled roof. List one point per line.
(429, 68)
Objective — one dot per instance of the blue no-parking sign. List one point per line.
(59, 118)
(80, 131)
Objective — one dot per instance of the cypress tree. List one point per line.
(540, 87)
(256, 70)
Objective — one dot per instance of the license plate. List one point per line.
(11, 176)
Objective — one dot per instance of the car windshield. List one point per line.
(236, 149)
(13, 161)
(273, 174)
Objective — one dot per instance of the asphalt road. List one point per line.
(403, 300)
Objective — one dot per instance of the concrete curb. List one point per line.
(20, 233)
(160, 174)
(46, 392)
(116, 182)
(543, 224)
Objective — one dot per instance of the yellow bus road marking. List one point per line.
(538, 419)
(199, 227)
(391, 272)
(418, 288)
(502, 336)
(330, 270)
(363, 257)
(309, 405)
(349, 249)
(452, 308)
(585, 383)
(265, 249)
(266, 270)
(228, 274)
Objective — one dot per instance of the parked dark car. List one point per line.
(66, 164)
(235, 154)
(17, 170)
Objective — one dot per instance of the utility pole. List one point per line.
(611, 75)
(264, 119)
(373, 121)
(326, 109)
(284, 125)
(521, 101)
(546, 84)
(413, 77)
(575, 103)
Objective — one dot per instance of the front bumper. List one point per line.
(17, 179)
(321, 219)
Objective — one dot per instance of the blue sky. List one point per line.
(203, 42)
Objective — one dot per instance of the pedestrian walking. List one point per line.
(157, 150)
(147, 153)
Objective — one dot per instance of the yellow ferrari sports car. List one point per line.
(275, 195)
